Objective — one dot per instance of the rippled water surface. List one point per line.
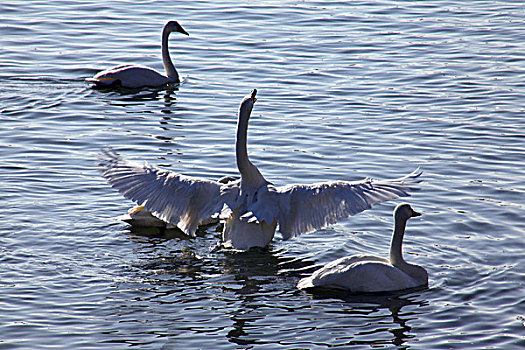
(346, 90)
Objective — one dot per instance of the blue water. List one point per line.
(346, 90)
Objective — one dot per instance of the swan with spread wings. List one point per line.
(252, 206)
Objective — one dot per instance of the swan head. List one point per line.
(248, 102)
(404, 212)
(174, 26)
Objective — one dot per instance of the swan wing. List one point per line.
(332, 273)
(180, 200)
(374, 276)
(306, 208)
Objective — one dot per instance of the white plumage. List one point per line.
(136, 76)
(365, 273)
(253, 206)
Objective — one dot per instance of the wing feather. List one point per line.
(306, 208)
(180, 200)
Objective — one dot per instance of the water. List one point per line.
(346, 90)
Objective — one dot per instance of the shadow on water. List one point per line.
(128, 91)
(120, 96)
(164, 233)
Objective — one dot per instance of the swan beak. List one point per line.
(254, 92)
(415, 213)
(181, 30)
(136, 209)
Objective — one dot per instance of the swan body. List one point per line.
(366, 273)
(242, 234)
(135, 76)
(252, 206)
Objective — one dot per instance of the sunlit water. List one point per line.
(346, 90)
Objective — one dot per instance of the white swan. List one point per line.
(253, 206)
(365, 273)
(134, 76)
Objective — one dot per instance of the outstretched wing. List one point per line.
(180, 200)
(306, 208)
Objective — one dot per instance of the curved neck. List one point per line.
(171, 72)
(250, 175)
(396, 253)
(416, 272)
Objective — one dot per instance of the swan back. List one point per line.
(362, 274)
(331, 273)
(129, 76)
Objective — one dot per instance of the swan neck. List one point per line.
(171, 72)
(396, 251)
(250, 175)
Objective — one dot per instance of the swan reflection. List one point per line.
(249, 296)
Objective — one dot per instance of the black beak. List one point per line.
(415, 213)
(181, 30)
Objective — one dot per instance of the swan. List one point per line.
(252, 206)
(366, 273)
(135, 76)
